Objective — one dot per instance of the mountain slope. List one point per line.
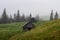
(47, 31)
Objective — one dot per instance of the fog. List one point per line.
(41, 7)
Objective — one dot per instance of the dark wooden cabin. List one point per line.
(28, 26)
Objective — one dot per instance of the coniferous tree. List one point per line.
(51, 16)
(14, 17)
(18, 16)
(11, 18)
(37, 17)
(27, 18)
(56, 16)
(4, 17)
(0, 20)
(33, 20)
(23, 18)
(30, 17)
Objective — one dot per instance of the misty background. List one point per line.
(41, 7)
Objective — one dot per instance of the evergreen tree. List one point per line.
(51, 16)
(4, 17)
(27, 18)
(30, 17)
(33, 20)
(14, 17)
(23, 18)
(37, 17)
(56, 15)
(18, 16)
(11, 18)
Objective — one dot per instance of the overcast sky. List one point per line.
(41, 7)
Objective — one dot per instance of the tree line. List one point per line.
(17, 17)
(52, 16)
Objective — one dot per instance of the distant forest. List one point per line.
(18, 18)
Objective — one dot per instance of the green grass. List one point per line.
(46, 31)
(9, 30)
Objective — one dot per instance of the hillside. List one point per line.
(47, 31)
(11, 29)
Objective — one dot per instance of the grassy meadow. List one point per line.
(9, 30)
(12, 29)
(45, 30)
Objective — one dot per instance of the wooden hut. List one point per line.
(28, 26)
